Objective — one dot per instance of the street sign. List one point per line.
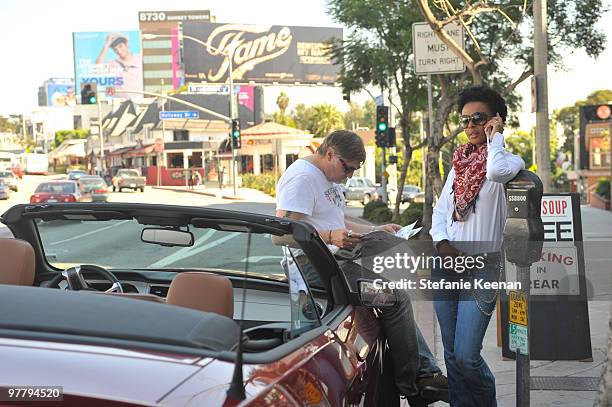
(431, 55)
(519, 340)
(209, 89)
(179, 114)
(518, 307)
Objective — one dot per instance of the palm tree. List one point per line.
(282, 101)
(325, 119)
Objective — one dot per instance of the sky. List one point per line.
(36, 44)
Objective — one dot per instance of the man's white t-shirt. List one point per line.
(303, 188)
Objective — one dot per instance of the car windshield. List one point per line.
(368, 182)
(118, 245)
(129, 173)
(4, 174)
(56, 188)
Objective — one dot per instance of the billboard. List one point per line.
(161, 55)
(595, 128)
(60, 92)
(110, 59)
(262, 54)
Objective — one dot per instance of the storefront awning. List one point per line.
(141, 152)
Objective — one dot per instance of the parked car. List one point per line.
(94, 186)
(170, 303)
(5, 190)
(10, 179)
(131, 179)
(59, 191)
(358, 189)
(75, 175)
(410, 193)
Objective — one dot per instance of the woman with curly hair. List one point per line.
(468, 219)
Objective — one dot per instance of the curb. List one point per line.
(211, 194)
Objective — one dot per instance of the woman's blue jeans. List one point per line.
(463, 315)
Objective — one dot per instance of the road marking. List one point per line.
(88, 233)
(256, 259)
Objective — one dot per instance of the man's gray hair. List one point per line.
(346, 144)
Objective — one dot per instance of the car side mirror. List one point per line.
(167, 237)
(373, 295)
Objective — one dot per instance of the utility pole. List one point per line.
(100, 134)
(541, 83)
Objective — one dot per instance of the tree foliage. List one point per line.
(378, 53)
(62, 135)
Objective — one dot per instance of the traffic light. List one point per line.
(89, 93)
(392, 159)
(236, 140)
(382, 126)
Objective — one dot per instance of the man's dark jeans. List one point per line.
(410, 353)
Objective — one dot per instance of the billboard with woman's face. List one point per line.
(110, 59)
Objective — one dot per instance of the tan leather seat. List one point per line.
(202, 291)
(16, 262)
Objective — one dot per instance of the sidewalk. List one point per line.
(244, 194)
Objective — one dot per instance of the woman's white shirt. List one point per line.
(486, 223)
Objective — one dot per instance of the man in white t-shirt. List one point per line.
(308, 191)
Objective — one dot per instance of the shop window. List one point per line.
(267, 163)
(175, 160)
(246, 164)
(180, 135)
(290, 159)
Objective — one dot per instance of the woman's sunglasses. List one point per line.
(478, 118)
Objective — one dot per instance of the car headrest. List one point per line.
(16, 262)
(202, 291)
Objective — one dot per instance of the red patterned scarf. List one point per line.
(470, 163)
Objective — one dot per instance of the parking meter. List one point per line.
(523, 241)
(524, 231)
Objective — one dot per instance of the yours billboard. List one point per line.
(110, 59)
(261, 54)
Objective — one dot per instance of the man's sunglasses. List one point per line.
(478, 118)
(347, 169)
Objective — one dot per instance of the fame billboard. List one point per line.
(261, 54)
(110, 59)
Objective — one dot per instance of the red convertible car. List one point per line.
(137, 304)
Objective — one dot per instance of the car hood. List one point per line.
(139, 377)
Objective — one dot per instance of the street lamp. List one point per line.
(231, 86)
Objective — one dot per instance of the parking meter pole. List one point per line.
(523, 374)
(523, 241)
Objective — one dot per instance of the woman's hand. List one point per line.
(494, 125)
(445, 249)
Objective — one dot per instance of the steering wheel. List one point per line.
(76, 282)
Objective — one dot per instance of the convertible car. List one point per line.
(138, 304)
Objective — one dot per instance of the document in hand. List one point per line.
(378, 240)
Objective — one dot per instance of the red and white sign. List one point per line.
(557, 271)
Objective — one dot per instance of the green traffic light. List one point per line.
(92, 99)
(236, 134)
(382, 126)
